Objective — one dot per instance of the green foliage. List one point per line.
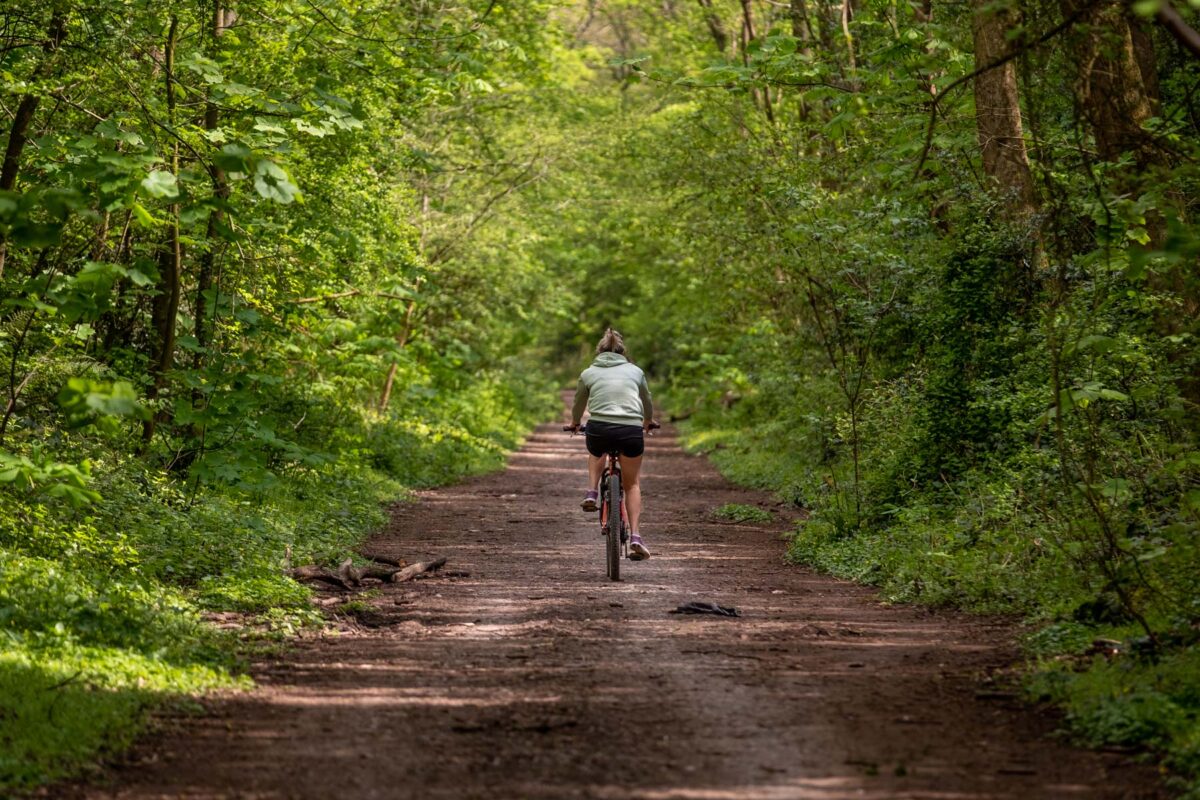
(110, 596)
(250, 295)
(739, 512)
(181, 424)
(60, 706)
(1141, 703)
(86, 651)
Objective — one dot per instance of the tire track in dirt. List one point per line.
(535, 677)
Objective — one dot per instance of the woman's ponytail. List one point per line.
(611, 342)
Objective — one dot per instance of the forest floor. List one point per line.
(535, 677)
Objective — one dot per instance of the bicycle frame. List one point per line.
(616, 546)
(612, 466)
(616, 537)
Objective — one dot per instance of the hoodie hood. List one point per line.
(610, 360)
(613, 390)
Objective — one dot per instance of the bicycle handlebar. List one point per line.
(583, 428)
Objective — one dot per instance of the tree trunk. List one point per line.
(802, 27)
(170, 262)
(761, 96)
(1110, 87)
(19, 132)
(715, 26)
(802, 31)
(845, 18)
(1116, 90)
(204, 278)
(998, 111)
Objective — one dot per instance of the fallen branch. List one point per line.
(315, 573)
(347, 576)
(379, 572)
(395, 562)
(413, 570)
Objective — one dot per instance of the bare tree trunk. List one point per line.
(761, 96)
(998, 111)
(1116, 90)
(802, 30)
(847, 36)
(748, 34)
(19, 132)
(1111, 87)
(204, 278)
(170, 262)
(1143, 48)
(802, 27)
(715, 26)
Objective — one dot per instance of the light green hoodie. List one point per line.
(613, 390)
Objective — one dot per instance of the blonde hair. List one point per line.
(611, 342)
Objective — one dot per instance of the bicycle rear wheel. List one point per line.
(612, 532)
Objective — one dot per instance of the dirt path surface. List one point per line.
(534, 677)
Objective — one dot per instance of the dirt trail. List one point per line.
(534, 677)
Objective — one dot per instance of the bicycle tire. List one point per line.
(612, 534)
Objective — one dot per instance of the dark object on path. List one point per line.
(697, 607)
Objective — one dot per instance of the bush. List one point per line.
(101, 603)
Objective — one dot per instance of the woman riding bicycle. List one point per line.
(620, 410)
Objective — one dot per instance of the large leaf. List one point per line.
(272, 183)
(161, 183)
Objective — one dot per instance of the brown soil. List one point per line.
(535, 677)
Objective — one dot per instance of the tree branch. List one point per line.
(348, 293)
(999, 62)
(1185, 34)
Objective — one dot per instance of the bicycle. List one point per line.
(613, 519)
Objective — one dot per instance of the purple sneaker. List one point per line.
(637, 549)
(589, 501)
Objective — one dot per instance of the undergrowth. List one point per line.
(740, 512)
(102, 603)
(971, 510)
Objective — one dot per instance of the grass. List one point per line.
(102, 607)
(63, 705)
(739, 512)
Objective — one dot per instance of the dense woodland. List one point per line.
(928, 270)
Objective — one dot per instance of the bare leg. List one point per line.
(631, 469)
(595, 467)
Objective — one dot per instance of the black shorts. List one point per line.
(604, 437)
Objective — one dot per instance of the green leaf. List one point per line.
(1137, 234)
(312, 130)
(144, 217)
(1116, 489)
(272, 183)
(263, 125)
(1097, 344)
(627, 62)
(234, 158)
(161, 183)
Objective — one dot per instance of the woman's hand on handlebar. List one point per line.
(650, 425)
(573, 427)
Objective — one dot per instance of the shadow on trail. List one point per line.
(535, 677)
